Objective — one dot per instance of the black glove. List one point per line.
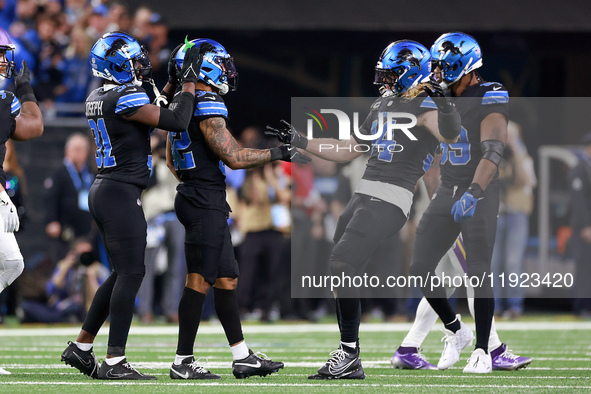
(435, 91)
(173, 79)
(288, 135)
(23, 84)
(191, 66)
(289, 153)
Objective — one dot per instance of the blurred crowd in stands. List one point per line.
(55, 37)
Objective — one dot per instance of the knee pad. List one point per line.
(9, 271)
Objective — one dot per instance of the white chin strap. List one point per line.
(224, 88)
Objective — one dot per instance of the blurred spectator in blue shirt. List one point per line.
(75, 69)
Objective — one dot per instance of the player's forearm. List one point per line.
(242, 158)
(340, 151)
(485, 173)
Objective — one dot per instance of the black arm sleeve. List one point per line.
(449, 123)
(179, 118)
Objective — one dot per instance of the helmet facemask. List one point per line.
(7, 64)
(228, 78)
(142, 68)
(388, 80)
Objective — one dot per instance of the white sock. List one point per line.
(114, 360)
(178, 360)
(352, 345)
(239, 351)
(493, 339)
(425, 319)
(83, 346)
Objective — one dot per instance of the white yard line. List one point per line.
(337, 386)
(290, 328)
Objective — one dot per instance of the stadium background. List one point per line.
(305, 48)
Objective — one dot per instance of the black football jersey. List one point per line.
(122, 146)
(401, 161)
(10, 108)
(202, 173)
(459, 160)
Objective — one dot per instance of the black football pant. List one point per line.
(436, 233)
(116, 208)
(363, 226)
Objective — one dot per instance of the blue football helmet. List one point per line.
(6, 47)
(456, 54)
(118, 57)
(217, 69)
(401, 66)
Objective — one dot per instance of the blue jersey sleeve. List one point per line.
(495, 99)
(209, 104)
(131, 100)
(15, 107)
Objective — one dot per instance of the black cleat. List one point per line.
(255, 364)
(121, 371)
(189, 369)
(341, 365)
(84, 361)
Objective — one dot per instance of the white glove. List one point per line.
(8, 213)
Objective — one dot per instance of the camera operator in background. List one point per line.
(70, 288)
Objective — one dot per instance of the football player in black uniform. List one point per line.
(467, 200)
(21, 120)
(197, 156)
(381, 203)
(120, 118)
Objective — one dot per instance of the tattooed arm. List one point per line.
(493, 127)
(225, 146)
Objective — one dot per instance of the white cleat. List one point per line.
(454, 343)
(4, 372)
(479, 362)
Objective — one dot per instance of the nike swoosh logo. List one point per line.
(110, 374)
(464, 210)
(182, 375)
(209, 98)
(257, 365)
(190, 69)
(85, 363)
(496, 87)
(375, 199)
(340, 370)
(132, 90)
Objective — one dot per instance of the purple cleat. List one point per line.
(504, 360)
(411, 360)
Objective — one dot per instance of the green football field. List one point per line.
(561, 352)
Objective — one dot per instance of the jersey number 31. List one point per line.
(103, 144)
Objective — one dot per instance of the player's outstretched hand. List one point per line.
(295, 156)
(289, 153)
(435, 91)
(288, 135)
(24, 76)
(8, 213)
